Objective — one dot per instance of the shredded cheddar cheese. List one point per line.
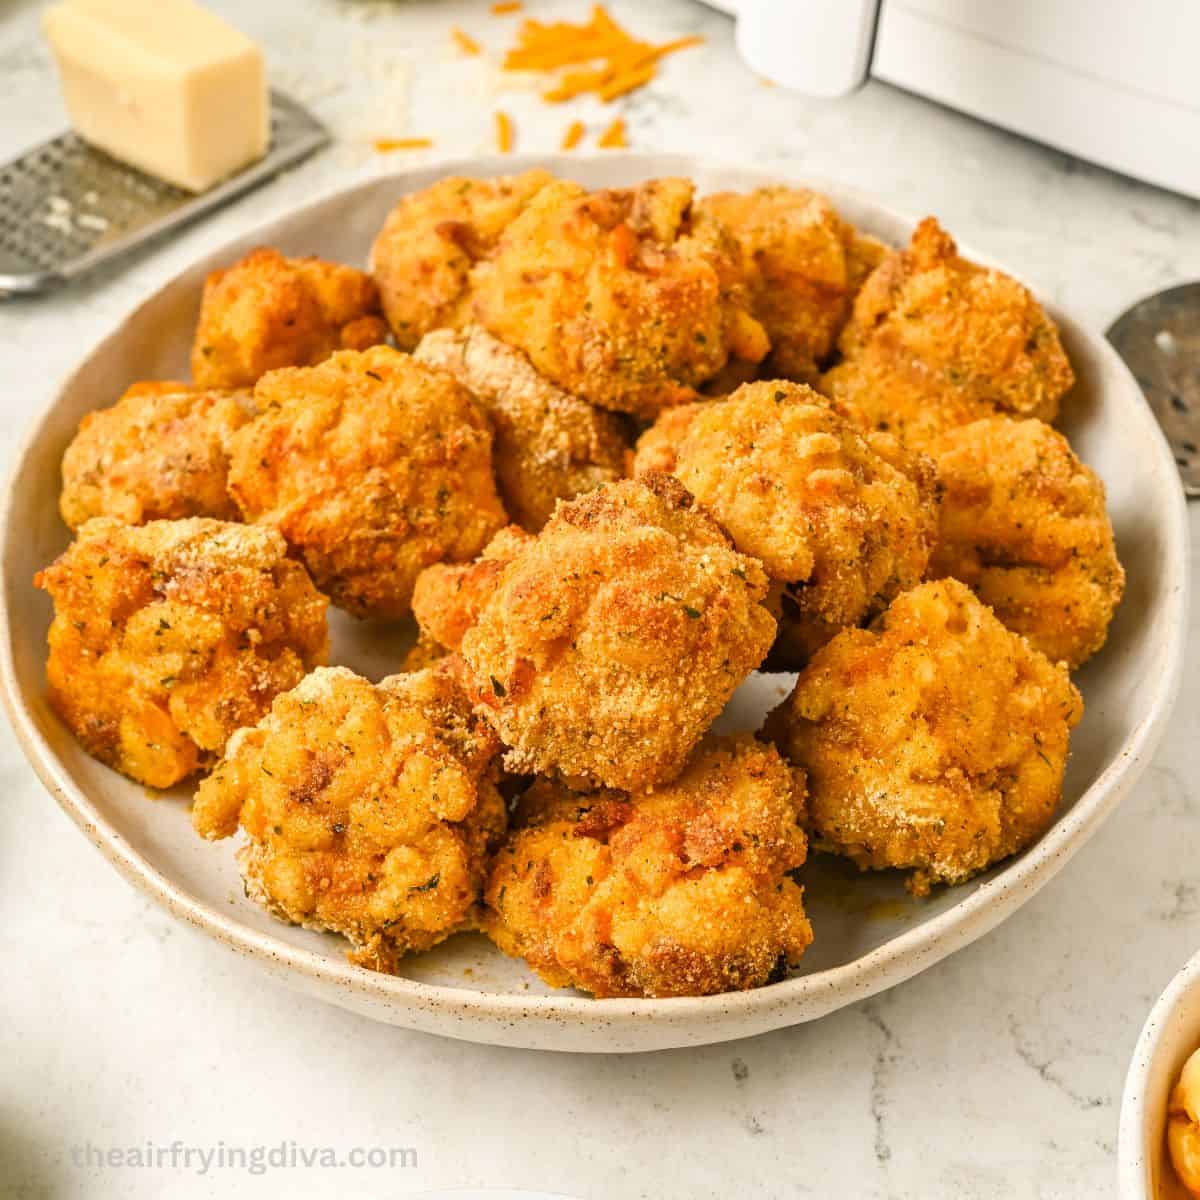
(465, 42)
(624, 83)
(606, 60)
(596, 57)
(504, 133)
(613, 138)
(384, 145)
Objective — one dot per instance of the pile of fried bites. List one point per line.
(614, 450)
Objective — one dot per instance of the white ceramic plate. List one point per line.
(1171, 1033)
(869, 933)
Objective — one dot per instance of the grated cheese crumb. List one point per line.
(385, 145)
(613, 138)
(574, 135)
(465, 42)
(606, 59)
(505, 134)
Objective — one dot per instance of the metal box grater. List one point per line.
(66, 207)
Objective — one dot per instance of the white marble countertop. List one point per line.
(995, 1074)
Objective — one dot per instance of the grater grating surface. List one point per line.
(66, 207)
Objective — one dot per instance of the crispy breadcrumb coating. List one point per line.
(625, 298)
(1183, 1132)
(550, 445)
(424, 652)
(802, 265)
(372, 466)
(658, 447)
(1023, 523)
(615, 637)
(169, 636)
(681, 891)
(160, 453)
(830, 514)
(158, 387)
(423, 256)
(448, 598)
(267, 311)
(935, 741)
(368, 809)
(937, 341)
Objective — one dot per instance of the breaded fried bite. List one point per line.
(837, 524)
(160, 453)
(169, 636)
(937, 341)
(550, 445)
(368, 809)
(802, 265)
(681, 891)
(935, 741)
(625, 298)
(423, 256)
(267, 311)
(1183, 1135)
(658, 447)
(1023, 523)
(615, 637)
(424, 652)
(448, 598)
(372, 466)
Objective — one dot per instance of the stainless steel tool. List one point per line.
(66, 207)
(1159, 339)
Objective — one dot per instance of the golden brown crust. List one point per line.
(448, 598)
(160, 453)
(1183, 1134)
(658, 447)
(423, 255)
(368, 810)
(842, 522)
(157, 387)
(934, 741)
(615, 637)
(550, 445)
(1023, 523)
(424, 652)
(802, 265)
(937, 341)
(682, 891)
(169, 636)
(267, 311)
(624, 298)
(372, 467)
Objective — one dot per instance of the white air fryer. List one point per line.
(1112, 82)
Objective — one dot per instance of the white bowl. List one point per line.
(869, 933)
(1171, 1033)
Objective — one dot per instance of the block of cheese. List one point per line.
(163, 84)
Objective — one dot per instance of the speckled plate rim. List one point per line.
(1167, 1038)
(569, 1021)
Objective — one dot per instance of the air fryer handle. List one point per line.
(822, 47)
